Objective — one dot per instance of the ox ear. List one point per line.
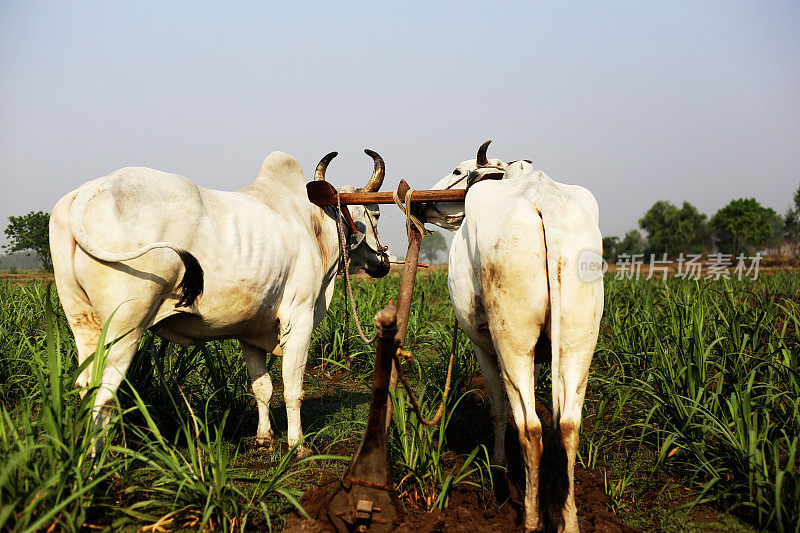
(358, 236)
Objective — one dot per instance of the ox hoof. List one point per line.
(537, 529)
(500, 472)
(82, 385)
(265, 443)
(499, 461)
(302, 451)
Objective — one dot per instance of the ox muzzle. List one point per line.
(382, 269)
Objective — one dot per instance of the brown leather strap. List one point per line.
(477, 178)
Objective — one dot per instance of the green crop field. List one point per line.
(692, 405)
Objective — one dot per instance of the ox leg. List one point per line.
(256, 359)
(82, 319)
(568, 401)
(78, 309)
(579, 330)
(498, 406)
(86, 329)
(297, 335)
(118, 360)
(518, 375)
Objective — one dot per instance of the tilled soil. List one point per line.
(27, 278)
(471, 509)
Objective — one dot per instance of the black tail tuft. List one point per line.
(553, 480)
(191, 286)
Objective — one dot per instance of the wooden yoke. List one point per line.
(323, 194)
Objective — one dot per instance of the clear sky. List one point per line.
(638, 101)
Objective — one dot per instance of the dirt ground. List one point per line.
(474, 510)
(471, 509)
(27, 277)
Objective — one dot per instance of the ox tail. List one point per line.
(553, 474)
(190, 287)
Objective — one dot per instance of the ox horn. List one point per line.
(322, 166)
(378, 172)
(482, 161)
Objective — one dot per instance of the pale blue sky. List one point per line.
(637, 101)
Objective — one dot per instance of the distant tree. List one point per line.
(671, 230)
(744, 225)
(30, 232)
(791, 228)
(19, 261)
(610, 248)
(797, 199)
(632, 243)
(432, 245)
(790, 234)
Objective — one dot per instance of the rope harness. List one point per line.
(345, 264)
(414, 403)
(344, 250)
(405, 206)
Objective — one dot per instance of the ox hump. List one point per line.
(280, 168)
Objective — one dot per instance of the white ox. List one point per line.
(517, 292)
(147, 244)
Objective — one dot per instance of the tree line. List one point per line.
(743, 226)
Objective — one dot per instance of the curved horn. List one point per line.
(322, 166)
(482, 161)
(378, 172)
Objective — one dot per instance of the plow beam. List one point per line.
(366, 499)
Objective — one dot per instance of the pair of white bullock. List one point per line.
(192, 265)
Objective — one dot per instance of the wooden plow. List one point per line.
(366, 499)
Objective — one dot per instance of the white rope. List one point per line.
(405, 206)
(346, 259)
(414, 402)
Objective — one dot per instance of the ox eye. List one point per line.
(456, 172)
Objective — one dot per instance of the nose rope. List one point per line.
(381, 248)
(343, 249)
(459, 180)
